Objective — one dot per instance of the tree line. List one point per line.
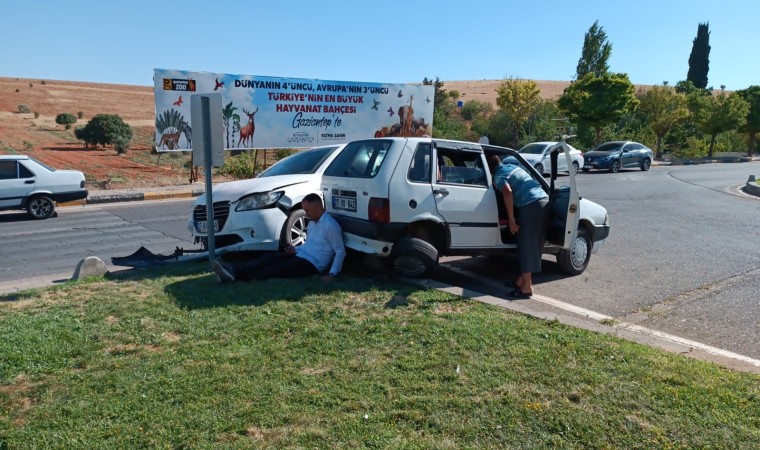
(685, 119)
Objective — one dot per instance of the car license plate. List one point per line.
(202, 227)
(344, 203)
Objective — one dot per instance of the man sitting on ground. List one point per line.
(324, 243)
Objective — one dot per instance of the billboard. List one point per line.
(270, 112)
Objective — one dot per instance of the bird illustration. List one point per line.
(400, 94)
(178, 102)
(390, 111)
(218, 84)
(427, 99)
(375, 104)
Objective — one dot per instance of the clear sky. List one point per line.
(391, 41)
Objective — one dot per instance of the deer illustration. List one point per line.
(406, 117)
(246, 132)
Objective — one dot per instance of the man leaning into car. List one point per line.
(324, 243)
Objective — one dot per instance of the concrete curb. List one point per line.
(752, 187)
(132, 197)
(547, 309)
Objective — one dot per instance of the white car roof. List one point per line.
(13, 157)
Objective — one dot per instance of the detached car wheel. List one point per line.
(294, 231)
(40, 207)
(646, 164)
(413, 257)
(615, 168)
(575, 261)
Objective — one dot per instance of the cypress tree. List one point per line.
(699, 60)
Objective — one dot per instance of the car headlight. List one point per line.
(259, 201)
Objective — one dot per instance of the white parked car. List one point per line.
(263, 213)
(31, 185)
(537, 154)
(415, 199)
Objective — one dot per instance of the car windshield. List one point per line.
(609, 147)
(533, 149)
(360, 159)
(307, 161)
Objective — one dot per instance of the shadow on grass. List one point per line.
(197, 288)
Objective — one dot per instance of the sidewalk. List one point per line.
(98, 196)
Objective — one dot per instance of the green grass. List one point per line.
(171, 359)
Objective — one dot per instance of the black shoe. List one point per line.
(518, 294)
(224, 272)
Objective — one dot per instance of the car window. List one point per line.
(43, 165)
(608, 147)
(419, 170)
(533, 149)
(360, 159)
(24, 172)
(8, 170)
(461, 167)
(307, 161)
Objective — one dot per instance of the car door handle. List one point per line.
(441, 191)
(29, 182)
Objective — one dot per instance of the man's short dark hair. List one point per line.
(313, 199)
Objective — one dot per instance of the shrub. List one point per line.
(36, 114)
(65, 119)
(695, 148)
(18, 90)
(42, 82)
(240, 167)
(121, 143)
(28, 146)
(80, 114)
(24, 109)
(104, 129)
(282, 153)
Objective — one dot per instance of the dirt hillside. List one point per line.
(42, 138)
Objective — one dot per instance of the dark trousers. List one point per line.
(274, 265)
(533, 219)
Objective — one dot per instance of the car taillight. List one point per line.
(379, 210)
(81, 184)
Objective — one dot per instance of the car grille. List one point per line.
(221, 212)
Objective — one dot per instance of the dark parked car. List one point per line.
(616, 155)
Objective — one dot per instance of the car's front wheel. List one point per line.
(294, 231)
(540, 168)
(40, 207)
(413, 257)
(576, 167)
(575, 260)
(646, 164)
(615, 168)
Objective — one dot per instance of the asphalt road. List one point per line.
(33, 250)
(683, 255)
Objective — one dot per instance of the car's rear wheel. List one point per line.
(540, 168)
(646, 164)
(40, 207)
(575, 260)
(413, 257)
(294, 231)
(615, 168)
(576, 167)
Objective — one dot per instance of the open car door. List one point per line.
(562, 150)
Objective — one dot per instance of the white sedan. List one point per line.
(537, 155)
(263, 213)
